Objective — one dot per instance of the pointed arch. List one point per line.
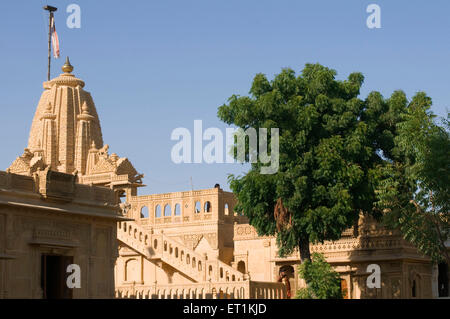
(167, 210)
(177, 210)
(158, 211)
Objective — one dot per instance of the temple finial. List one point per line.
(67, 67)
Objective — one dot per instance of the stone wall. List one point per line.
(43, 216)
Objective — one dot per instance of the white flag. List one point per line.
(55, 41)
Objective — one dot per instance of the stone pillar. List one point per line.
(434, 281)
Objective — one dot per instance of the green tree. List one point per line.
(414, 191)
(332, 145)
(323, 281)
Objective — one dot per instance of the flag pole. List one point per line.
(50, 9)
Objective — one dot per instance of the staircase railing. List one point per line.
(160, 246)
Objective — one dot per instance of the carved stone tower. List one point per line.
(65, 125)
(66, 137)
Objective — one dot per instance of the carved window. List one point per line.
(207, 208)
(122, 196)
(210, 271)
(144, 212)
(158, 211)
(197, 207)
(226, 210)
(167, 211)
(131, 270)
(241, 266)
(177, 210)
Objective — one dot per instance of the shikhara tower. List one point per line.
(66, 137)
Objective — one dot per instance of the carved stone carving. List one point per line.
(192, 240)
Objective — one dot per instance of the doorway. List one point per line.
(54, 276)
(344, 289)
(443, 280)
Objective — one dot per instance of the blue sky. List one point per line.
(152, 66)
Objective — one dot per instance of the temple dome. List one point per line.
(66, 137)
(65, 124)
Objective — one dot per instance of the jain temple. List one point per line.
(69, 200)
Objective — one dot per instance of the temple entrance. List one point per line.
(291, 275)
(443, 280)
(54, 276)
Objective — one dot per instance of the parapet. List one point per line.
(57, 191)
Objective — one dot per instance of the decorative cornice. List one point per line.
(64, 80)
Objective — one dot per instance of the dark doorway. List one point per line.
(54, 276)
(443, 280)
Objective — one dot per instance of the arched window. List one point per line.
(226, 210)
(131, 270)
(158, 211)
(122, 196)
(241, 266)
(167, 211)
(198, 207)
(177, 210)
(207, 208)
(144, 212)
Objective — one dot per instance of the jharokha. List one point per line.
(67, 200)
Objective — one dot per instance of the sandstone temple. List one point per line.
(68, 200)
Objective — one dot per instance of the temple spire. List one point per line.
(65, 125)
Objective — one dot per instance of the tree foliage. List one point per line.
(414, 192)
(323, 281)
(332, 145)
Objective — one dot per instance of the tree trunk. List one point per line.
(305, 254)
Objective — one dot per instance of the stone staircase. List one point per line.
(135, 237)
(162, 248)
